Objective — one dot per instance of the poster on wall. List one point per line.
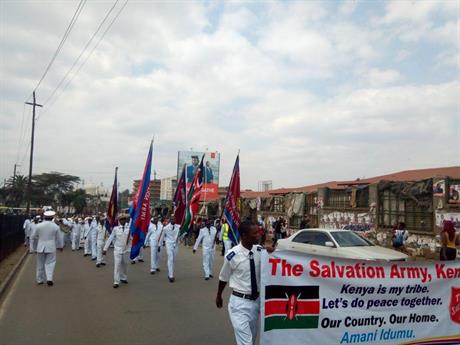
(211, 171)
(322, 300)
(439, 188)
(452, 216)
(454, 194)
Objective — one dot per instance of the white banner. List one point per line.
(320, 300)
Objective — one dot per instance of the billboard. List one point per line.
(211, 171)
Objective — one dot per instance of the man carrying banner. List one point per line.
(241, 269)
(122, 247)
(208, 236)
(171, 232)
(154, 238)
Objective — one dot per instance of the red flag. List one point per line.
(232, 203)
(180, 198)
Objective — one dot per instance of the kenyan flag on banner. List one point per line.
(289, 307)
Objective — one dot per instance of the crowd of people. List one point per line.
(46, 234)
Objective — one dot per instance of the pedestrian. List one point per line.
(26, 227)
(207, 235)
(449, 241)
(400, 236)
(100, 240)
(122, 247)
(154, 238)
(171, 232)
(75, 234)
(93, 236)
(225, 238)
(32, 239)
(48, 240)
(87, 236)
(241, 270)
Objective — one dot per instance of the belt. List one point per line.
(245, 296)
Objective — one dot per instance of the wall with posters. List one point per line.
(356, 221)
(211, 162)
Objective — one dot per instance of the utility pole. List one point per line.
(29, 185)
(14, 174)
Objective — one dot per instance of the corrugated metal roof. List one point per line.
(406, 175)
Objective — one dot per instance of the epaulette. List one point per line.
(230, 256)
(259, 248)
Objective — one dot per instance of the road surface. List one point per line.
(83, 307)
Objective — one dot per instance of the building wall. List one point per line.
(168, 186)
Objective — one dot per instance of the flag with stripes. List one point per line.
(112, 210)
(291, 307)
(193, 200)
(232, 203)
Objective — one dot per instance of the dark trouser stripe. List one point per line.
(281, 322)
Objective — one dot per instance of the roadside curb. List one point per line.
(9, 279)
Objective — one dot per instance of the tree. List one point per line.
(79, 200)
(50, 188)
(14, 191)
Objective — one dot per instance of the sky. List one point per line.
(307, 91)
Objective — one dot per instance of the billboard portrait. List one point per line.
(211, 164)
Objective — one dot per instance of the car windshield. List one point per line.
(350, 239)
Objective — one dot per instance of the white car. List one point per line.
(338, 244)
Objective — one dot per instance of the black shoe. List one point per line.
(211, 276)
(49, 282)
(152, 272)
(141, 260)
(93, 259)
(98, 265)
(40, 283)
(124, 281)
(103, 263)
(171, 280)
(207, 278)
(158, 270)
(133, 262)
(115, 286)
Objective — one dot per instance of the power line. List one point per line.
(81, 53)
(63, 40)
(87, 56)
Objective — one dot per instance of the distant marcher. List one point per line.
(154, 238)
(225, 236)
(26, 227)
(75, 234)
(100, 241)
(171, 231)
(32, 239)
(121, 249)
(48, 240)
(449, 241)
(208, 237)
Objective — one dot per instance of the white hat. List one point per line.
(49, 213)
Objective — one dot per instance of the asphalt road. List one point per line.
(83, 307)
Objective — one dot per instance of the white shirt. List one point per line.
(76, 229)
(86, 229)
(171, 232)
(236, 269)
(26, 227)
(208, 236)
(101, 233)
(119, 236)
(155, 235)
(48, 235)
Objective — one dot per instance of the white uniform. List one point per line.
(32, 240)
(47, 234)
(101, 231)
(75, 236)
(154, 238)
(170, 234)
(86, 236)
(93, 239)
(26, 227)
(244, 313)
(208, 236)
(121, 251)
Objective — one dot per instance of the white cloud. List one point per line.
(306, 97)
